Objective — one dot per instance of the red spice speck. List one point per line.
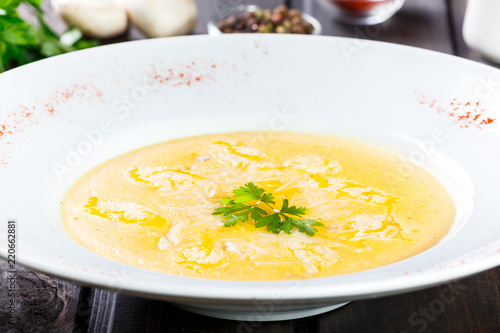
(183, 75)
(465, 114)
(67, 94)
(24, 117)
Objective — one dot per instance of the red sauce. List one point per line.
(359, 6)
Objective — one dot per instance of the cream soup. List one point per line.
(152, 208)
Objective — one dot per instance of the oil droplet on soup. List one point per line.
(152, 208)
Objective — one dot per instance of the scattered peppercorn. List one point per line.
(279, 20)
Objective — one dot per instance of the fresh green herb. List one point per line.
(248, 201)
(22, 42)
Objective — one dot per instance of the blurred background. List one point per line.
(34, 29)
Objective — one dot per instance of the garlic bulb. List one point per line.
(95, 18)
(482, 27)
(163, 18)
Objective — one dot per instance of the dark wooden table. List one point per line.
(52, 305)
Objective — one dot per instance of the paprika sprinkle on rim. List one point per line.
(466, 114)
(182, 74)
(24, 117)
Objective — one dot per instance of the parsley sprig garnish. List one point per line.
(248, 201)
(22, 42)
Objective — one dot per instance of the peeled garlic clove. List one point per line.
(95, 18)
(163, 18)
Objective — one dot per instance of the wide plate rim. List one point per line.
(259, 290)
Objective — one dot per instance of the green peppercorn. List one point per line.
(262, 29)
(270, 27)
(267, 14)
(259, 14)
(280, 29)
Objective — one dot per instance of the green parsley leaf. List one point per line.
(292, 210)
(9, 5)
(251, 192)
(232, 221)
(14, 30)
(272, 221)
(287, 226)
(22, 42)
(236, 212)
(230, 209)
(35, 3)
(257, 213)
(238, 209)
(305, 225)
(268, 198)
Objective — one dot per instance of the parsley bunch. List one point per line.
(239, 209)
(22, 42)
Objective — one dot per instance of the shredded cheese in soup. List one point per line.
(152, 208)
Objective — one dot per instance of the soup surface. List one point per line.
(152, 208)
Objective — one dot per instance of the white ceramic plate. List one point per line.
(60, 117)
